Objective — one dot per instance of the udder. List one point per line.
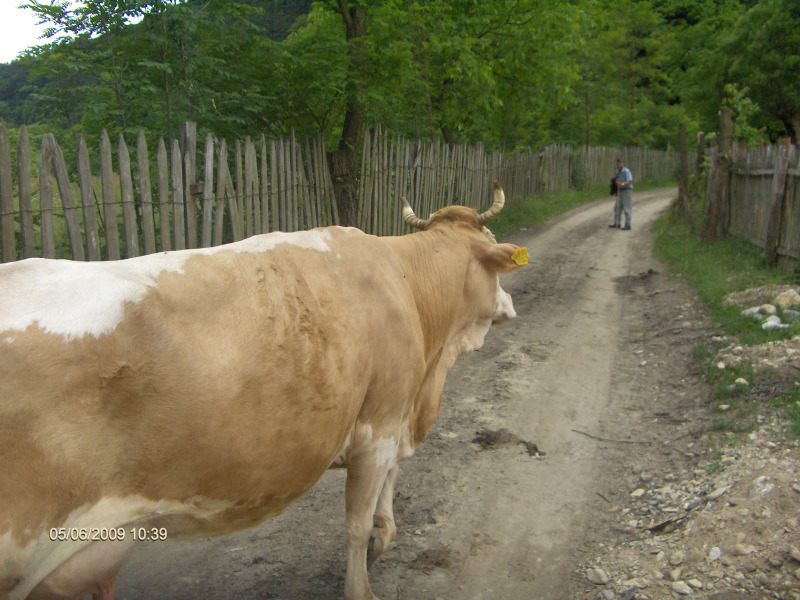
(90, 571)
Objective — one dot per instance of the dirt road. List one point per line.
(593, 372)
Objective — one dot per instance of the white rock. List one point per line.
(637, 493)
(750, 312)
(679, 587)
(787, 299)
(721, 366)
(743, 549)
(741, 382)
(761, 487)
(597, 576)
(636, 582)
(677, 558)
(718, 492)
(767, 309)
(696, 584)
(714, 554)
(773, 322)
(794, 553)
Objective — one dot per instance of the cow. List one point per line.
(200, 392)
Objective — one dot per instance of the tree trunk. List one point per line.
(343, 161)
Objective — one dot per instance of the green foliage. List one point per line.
(716, 269)
(762, 55)
(508, 72)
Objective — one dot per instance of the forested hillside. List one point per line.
(510, 72)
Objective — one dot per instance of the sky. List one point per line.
(18, 30)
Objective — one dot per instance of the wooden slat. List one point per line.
(9, 244)
(208, 193)
(310, 193)
(109, 201)
(67, 202)
(264, 196)
(250, 186)
(145, 194)
(25, 194)
(178, 198)
(164, 228)
(238, 198)
(126, 191)
(189, 145)
(219, 212)
(233, 204)
(87, 200)
(46, 199)
(274, 196)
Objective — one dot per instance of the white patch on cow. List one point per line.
(385, 451)
(362, 441)
(108, 513)
(504, 308)
(74, 299)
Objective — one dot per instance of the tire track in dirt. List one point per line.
(510, 538)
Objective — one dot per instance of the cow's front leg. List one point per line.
(366, 475)
(384, 528)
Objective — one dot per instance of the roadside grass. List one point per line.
(714, 270)
(526, 212)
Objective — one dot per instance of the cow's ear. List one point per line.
(505, 258)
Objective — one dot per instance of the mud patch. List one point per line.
(489, 439)
(627, 282)
(428, 560)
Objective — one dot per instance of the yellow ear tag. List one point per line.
(520, 256)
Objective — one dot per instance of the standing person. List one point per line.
(625, 195)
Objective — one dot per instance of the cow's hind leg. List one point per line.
(366, 475)
(384, 528)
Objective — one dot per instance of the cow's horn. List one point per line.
(499, 201)
(412, 219)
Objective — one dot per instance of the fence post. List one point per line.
(779, 195)
(715, 218)
(683, 174)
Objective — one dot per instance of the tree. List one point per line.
(762, 48)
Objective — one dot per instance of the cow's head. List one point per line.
(482, 285)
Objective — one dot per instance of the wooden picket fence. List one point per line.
(148, 206)
(762, 193)
(431, 175)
